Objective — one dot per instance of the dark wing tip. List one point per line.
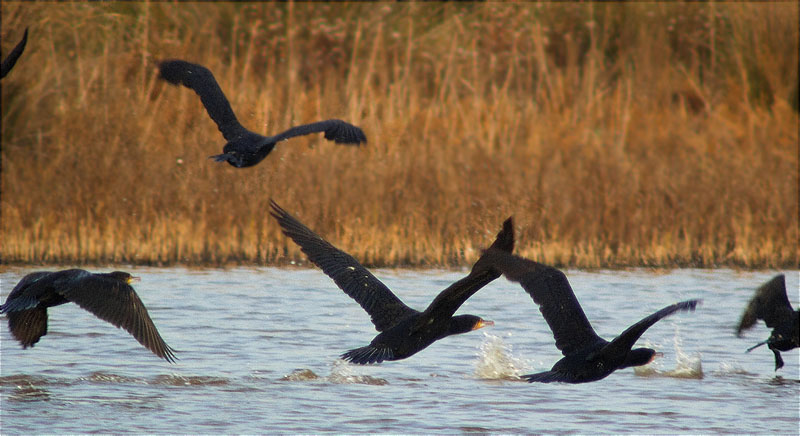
(28, 326)
(505, 238)
(776, 288)
(171, 70)
(543, 377)
(367, 355)
(689, 305)
(683, 306)
(168, 354)
(10, 60)
(769, 303)
(175, 71)
(342, 132)
(24, 39)
(277, 212)
(502, 247)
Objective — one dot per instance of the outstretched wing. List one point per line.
(624, 342)
(769, 303)
(27, 322)
(27, 326)
(200, 79)
(117, 303)
(482, 273)
(356, 281)
(368, 355)
(552, 376)
(11, 59)
(550, 289)
(338, 131)
(22, 297)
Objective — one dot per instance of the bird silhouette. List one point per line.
(109, 296)
(246, 148)
(11, 59)
(771, 305)
(587, 356)
(403, 330)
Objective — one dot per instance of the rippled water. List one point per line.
(258, 353)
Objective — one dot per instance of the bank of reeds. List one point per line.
(616, 134)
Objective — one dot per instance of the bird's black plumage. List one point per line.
(109, 296)
(11, 59)
(246, 148)
(403, 330)
(587, 356)
(771, 304)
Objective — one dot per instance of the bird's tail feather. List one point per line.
(220, 157)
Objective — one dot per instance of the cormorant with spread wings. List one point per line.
(771, 304)
(246, 148)
(109, 296)
(587, 356)
(403, 330)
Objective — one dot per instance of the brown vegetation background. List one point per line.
(651, 134)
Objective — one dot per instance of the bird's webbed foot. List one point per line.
(778, 360)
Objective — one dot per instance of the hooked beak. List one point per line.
(656, 354)
(482, 323)
(134, 279)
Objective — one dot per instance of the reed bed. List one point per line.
(616, 134)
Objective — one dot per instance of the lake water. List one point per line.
(258, 353)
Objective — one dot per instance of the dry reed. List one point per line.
(617, 134)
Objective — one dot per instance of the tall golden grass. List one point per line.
(616, 134)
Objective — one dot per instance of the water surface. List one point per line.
(258, 353)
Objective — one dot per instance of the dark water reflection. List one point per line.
(258, 348)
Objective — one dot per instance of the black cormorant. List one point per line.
(246, 148)
(771, 304)
(403, 330)
(109, 296)
(587, 356)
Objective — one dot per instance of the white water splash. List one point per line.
(686, 365)
(496, 362)
(731, 368)
(341, 373)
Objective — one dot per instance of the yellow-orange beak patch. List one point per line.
(482, 323)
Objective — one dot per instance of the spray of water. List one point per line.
(686, 365)
(496, 362)
(341, 373)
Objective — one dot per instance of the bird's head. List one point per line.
(467, 323)
(640, 356)
(124, 277)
